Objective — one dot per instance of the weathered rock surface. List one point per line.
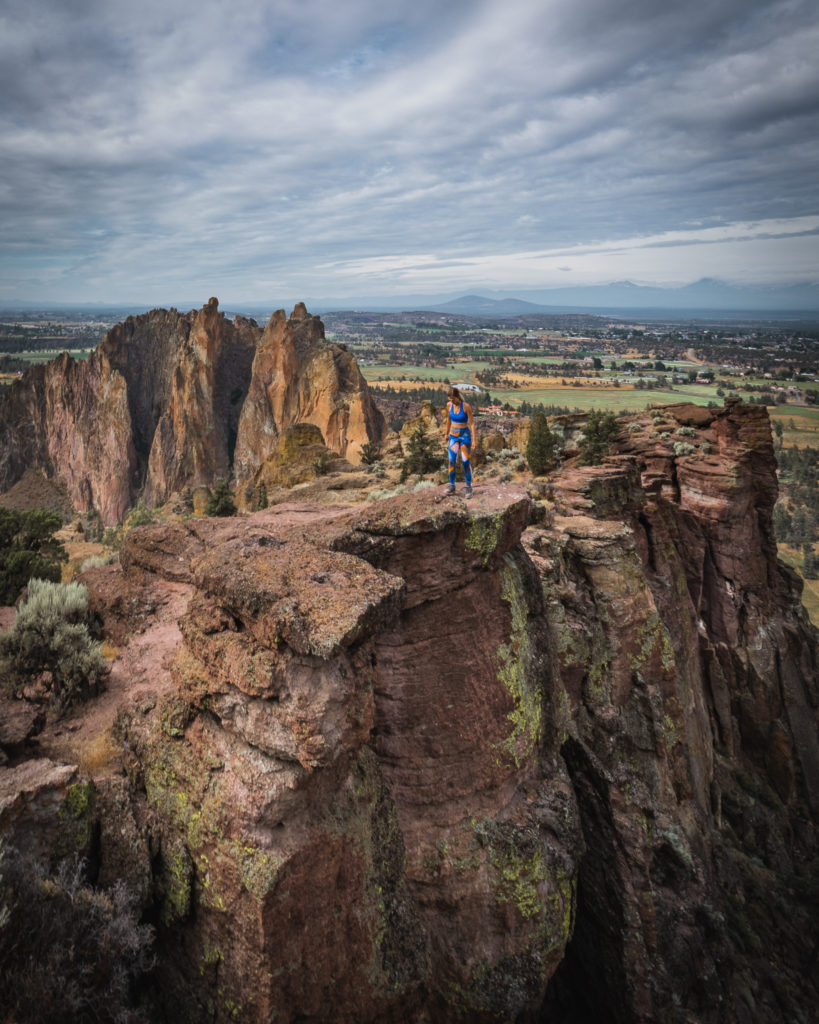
(160, 403)
(298, 377)
(300, 455)
(329, 771)
(432, 761)
(690, 717)
(153, 407)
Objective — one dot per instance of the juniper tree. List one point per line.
(540, 448)
(221, 502)
(422, 454)
(600, 430)
(28, 549)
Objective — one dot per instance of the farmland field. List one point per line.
(800, 425)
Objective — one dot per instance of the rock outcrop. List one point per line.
(153, 409)
(431, 761)
(167, 397)
(298, 377)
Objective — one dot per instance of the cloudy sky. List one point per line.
(270, 150)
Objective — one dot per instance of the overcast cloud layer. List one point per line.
(270, 151)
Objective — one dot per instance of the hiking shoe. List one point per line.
(468, 492)
(450, 489)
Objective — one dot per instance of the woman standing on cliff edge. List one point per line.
(460, 436)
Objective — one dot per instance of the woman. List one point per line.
(460, 435)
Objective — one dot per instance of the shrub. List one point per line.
(50, 644)
(140, 515)
(686, 432)
(68, 952)
(387, 492)
(28, 550)
(370, 453)
(634, 428)
(321, 465)
(600, 430)
(683, 448)
(96, 562)
(540, 448)
(113, 537)
(810, 565)
(506, 455)
(221, 502)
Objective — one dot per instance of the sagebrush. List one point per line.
(50, 650)
(68, 952)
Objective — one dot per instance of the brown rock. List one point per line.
(44, 811)
(156, 404)
(298, 377)
(299, 456)
(192, 439)
(421, 761)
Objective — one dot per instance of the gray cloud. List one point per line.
(256, 149)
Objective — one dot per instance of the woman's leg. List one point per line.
(454, 447)
(466, 451)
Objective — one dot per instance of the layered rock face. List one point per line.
(426, 761)
(159, 405)
(72, 421)
(155, 408)
(344, 786)
(299, 378)
(690, 674)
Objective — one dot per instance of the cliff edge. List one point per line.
(518, 760)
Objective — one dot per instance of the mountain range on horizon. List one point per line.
(707, 295)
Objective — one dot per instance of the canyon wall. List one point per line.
(547, 757)
(166, 398)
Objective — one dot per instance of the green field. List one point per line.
(375, 372)
(616, 399)
(586, 396)
(47, 356)
(800, 424)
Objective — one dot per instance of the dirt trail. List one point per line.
(143, 666)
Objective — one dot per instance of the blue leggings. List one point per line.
(457, 442)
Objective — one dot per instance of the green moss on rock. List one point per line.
(76, 817)
(484, 536)
(175, 883)
(516, 670)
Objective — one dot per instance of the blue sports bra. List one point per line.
(458, 417)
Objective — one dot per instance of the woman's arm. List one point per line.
(446, 422)
(470, 420)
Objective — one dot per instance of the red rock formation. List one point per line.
(419, 761)
(298, 377)
(158, 406)
(373, 784)
(193, 438)
(72, 421)
(155, 406)
(690, 672)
